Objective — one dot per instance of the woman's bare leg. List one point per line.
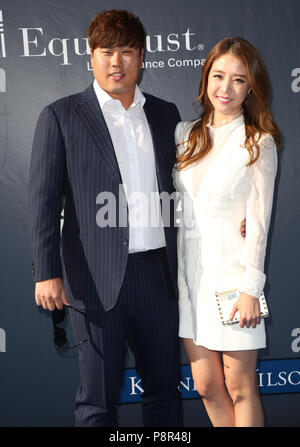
(241, 382)
(207, 370)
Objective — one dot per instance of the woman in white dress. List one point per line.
(225, 172)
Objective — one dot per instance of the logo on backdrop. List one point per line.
(2, 340)
(2, 39)
(2, 54)
(2, 81)
(273, 376)
(296, 342)
(296, 82)
(157, 45)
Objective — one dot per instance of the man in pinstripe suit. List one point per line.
(119, 277)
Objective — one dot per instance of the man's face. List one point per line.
(116, 70)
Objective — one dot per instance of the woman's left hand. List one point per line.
(249, 309)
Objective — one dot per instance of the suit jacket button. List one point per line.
(125, 242)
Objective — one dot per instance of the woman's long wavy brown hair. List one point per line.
(257, 115)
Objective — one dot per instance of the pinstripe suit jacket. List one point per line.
(72, 161)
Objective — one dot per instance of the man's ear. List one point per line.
(91, 51)
(142, 56)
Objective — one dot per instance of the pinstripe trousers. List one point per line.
(146, 317)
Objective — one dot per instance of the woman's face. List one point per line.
(228, 86)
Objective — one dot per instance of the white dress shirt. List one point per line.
(132, 141)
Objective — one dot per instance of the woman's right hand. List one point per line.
(249, 309)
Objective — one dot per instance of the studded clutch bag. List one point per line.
(226, 300)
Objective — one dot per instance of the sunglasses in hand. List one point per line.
(59, 334)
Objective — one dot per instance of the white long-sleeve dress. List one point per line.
(217, 193)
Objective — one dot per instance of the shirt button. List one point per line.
(125, 242)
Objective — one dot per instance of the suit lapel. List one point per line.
(91, 116)
(155, 124)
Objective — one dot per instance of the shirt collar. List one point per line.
(107, 102)
(232, 124)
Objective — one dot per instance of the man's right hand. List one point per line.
(51, 294)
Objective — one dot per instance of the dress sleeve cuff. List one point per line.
(253, 281)
(186, 329)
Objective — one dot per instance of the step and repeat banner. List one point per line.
(44, 55)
